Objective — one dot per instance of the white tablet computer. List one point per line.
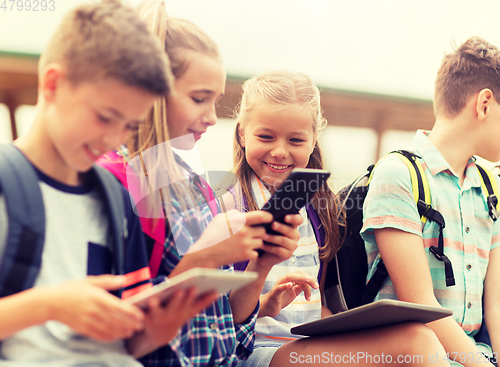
(204, 280)
(380, 313)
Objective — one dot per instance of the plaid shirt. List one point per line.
(210, 338)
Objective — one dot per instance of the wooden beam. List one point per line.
(346, 108)
(11, 105)
(18, 84)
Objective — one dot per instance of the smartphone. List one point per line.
(204, 280)
(294, 193)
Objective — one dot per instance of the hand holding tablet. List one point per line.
(204, 280)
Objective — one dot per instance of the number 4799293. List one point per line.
(28, 5)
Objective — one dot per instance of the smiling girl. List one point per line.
(277, 130)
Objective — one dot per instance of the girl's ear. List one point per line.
(484, 101)
(241, 134)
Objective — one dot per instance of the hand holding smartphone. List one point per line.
(293, 194)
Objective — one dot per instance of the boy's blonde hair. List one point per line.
(107, 39)
(470, 69)
(277, 90)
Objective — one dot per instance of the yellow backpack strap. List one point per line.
(419, 183)
(490, 189)
(422, 196)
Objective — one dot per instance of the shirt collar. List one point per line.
(436, 163)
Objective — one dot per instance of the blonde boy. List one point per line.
(98, 78)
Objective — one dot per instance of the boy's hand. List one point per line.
(284, 291)
(88, 308)
(162, 322)
(283, 246)
(218, 247)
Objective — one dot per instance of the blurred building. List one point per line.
(362, 126)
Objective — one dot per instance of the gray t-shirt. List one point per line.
(75, 240)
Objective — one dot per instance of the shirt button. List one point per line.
(293, 260)
(469, 267)
(466, 229)
(213, 326)
(469, 305)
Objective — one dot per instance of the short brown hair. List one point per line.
(470, 69)
(108, 39)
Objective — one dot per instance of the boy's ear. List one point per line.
(241, 134)
(484, 101)
(51, 78)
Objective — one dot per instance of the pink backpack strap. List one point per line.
(208, 194)
(152, 227)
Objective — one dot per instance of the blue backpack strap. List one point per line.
(113, 197)
(22, 256)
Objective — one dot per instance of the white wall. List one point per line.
(5, 129)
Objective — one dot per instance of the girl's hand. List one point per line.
(284, 291)
(230, 238)
(88, 308)
(283, 246)
(162, 322)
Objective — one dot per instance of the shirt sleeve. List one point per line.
(389, 202)
(245, 334)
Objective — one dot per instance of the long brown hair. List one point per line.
(283, 88)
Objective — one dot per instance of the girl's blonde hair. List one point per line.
(280, 89)
(184, 38)
(178, 38)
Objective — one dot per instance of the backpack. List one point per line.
(154, 228)
(21, 258)
(345, 284)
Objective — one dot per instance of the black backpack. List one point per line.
(345, 282)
